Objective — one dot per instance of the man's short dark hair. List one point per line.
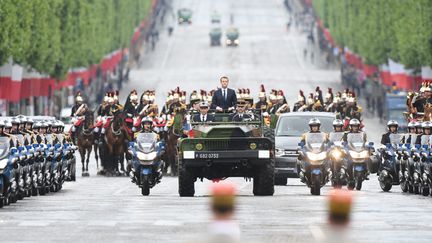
(223, 77)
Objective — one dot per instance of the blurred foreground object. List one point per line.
(223, 228)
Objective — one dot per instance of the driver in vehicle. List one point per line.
(203, 115)
(241, 114)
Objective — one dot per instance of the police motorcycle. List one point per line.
(414, 160)
(358, 156)
(68, 157)
(337, 156)
(388, 172)
(404, 158)
(313, 156)
(26, 163)
(8, 164)
(54, 160)
(147, 165)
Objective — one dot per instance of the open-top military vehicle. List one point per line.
(184, 15)
(221, 149)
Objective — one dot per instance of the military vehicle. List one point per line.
(215, 37)
(184, 16)
(221, 149)
(232, 36)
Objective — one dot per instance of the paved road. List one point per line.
(100, 209)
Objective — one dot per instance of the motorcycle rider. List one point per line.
(423, 139)
(392, 127)
(338, 132)
(314, 126)
(78, 110)
(411, 136)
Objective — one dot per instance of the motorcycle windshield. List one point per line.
(315, 142)
(336, 137)
(49, 139)
(4, 147)
(425, 139)
(20, 139)
(395, 139)
(146, 142)
(356, 141)
(60, 138)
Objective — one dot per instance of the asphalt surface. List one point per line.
(100, 209)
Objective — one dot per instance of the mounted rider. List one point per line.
(112, 110)
(102, 112)
(131, 109)
(300, 105)
(77, 114)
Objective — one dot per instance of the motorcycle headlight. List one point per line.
(316, 157)
(359, 155)
(337, 154)
(144, 156)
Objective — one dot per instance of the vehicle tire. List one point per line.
(2, 202)
(265, 183)
(73, 171)
(42, 191)
(186, 181)
(34, 191)
(385, 186)
(270, 134)
(425, 191)
(145, 189)
(351, 185)
(404, 185)
(255, 185)
(410, 189)
(316, 186)
(359, 182)
(13, 199)
(281, 180)
(416, 189)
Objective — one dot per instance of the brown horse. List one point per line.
(115, 138)
(174, 133)
(86, 142)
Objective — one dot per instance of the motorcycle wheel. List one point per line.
(359, 182)
(351, 185)
(416, 189)
(2, 203)
(385, 186)
(404, 186)
(34, 191)
(410, 189)
(316, 188)
(425, 191)
(145, 189)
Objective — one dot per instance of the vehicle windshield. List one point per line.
(295, 126)
(4, 147)
(146, 142)
(315, 142)
(356, 141)
(395, 139)
(336, 137)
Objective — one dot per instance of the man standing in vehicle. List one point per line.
(224, 99)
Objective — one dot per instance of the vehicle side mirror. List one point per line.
(417, 146)
(401, 144)
(131, 144)
(388, 145)
(425, 146)
(57, 146)
(301, 144)
(371, 144)
(20, 148)
(408, 145)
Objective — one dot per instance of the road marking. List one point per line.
(317, 233)
(167, 223)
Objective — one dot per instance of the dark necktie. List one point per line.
(224, 94)
(203, 118)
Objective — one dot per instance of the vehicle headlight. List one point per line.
(336, 154)
(3, 163)
(316, 157)
(279, 152)
(359, 155)
(144, 156)
(237, 41)
(252, 146)
(228, 41)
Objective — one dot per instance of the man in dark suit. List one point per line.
(240, 115)
(224, 99)
(203, 116)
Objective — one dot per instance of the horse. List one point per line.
(85, 142)
(174, 133)
(115, 139)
